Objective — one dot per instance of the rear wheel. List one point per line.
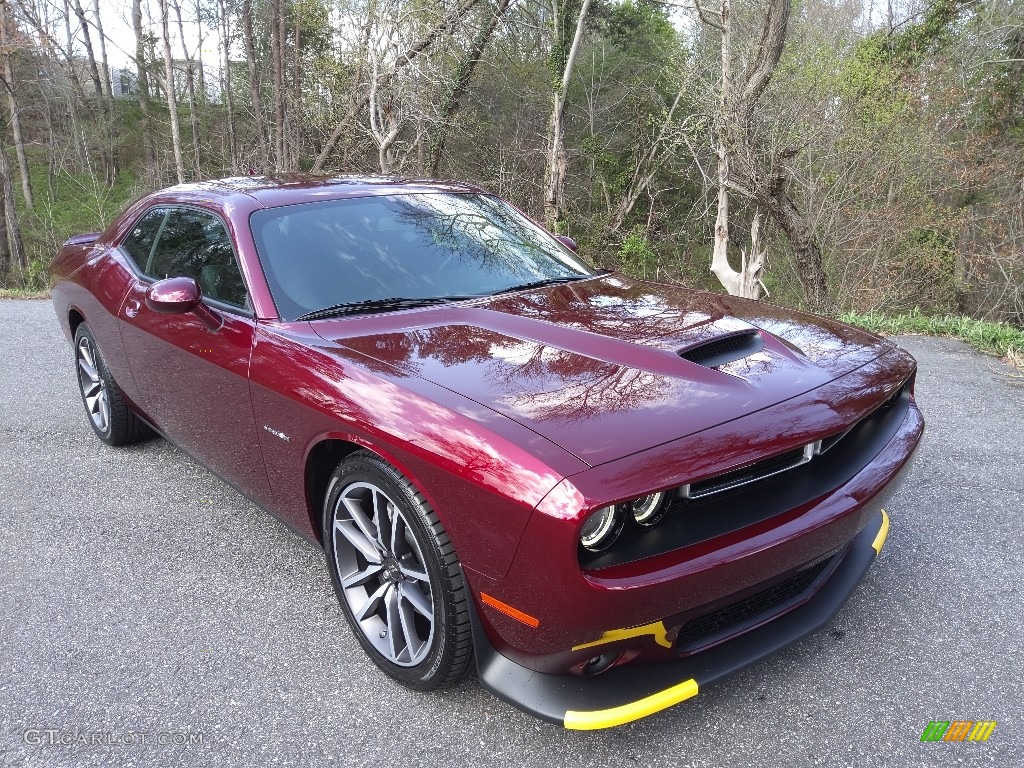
(109, 415)
(396, 574)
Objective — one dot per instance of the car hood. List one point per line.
(598, 366)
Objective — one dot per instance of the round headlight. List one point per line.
(600, 529)
(648, 510)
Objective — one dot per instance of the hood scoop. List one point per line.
(723, 350)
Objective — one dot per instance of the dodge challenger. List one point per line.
(601, 493)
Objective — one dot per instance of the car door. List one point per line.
(194, 379)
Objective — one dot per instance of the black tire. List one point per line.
(416, 565)
(114, 423)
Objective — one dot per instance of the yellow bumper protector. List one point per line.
(883, 532)
(657, 629)
(627, 713)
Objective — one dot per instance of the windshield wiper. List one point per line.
(379, 305)
(542, 283)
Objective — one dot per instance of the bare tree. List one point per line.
(556, 167)
(12, 250)
(463, 75)
(104, 63)
(142, 67)
(193, 105)
(226, 86)
(277, 37)
(360, 99)
(10, 86)
(254, 84)
(102, 95)
(170, 88)
(741, 168)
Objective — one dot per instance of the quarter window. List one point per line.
(139, 242)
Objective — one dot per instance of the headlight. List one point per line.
(601, 529)
(648, 510)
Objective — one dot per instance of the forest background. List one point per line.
(851, 157)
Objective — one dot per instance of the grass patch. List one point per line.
(23, 293)
(998, 339)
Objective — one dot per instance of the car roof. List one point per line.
(292, 188)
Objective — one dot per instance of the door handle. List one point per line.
(131, 307)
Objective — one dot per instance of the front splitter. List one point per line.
(629, 693)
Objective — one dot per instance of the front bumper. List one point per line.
(627, 693)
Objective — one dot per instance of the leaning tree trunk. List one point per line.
(809, 263)
(556, 169)
(463, 75)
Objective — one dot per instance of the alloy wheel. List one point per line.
(94, 389)
(383, 575)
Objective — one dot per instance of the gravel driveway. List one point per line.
(149, 608)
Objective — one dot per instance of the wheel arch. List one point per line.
(323, 458)
(75, 319)
(321, 461)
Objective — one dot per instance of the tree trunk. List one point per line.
(143, 84)
(103, 50)
(12, 103)
(294, 109)
(193, 113)
(200, 69)
(254, 84)
(277, 32)
(555, 172)
(15, 248)
(172, 98)
(809, 264)
(740, 168)
(730, 279)
(463, 75)
(419, 48)
(5, 248)
(106, 113)
(229, 107)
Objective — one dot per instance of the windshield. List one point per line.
(390, 251)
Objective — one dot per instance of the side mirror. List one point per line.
(178, 295)
(568, 242)
(174, 296)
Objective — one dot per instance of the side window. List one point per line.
(139, 242)
(195, 244)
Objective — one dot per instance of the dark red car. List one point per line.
(606, 492)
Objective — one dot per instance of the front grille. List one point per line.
(724, 349)
(762, 470)
(737, 613)
(749, 474)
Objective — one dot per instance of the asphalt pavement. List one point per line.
(151, 616)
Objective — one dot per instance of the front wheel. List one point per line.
(396, 574)
(109, 415)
